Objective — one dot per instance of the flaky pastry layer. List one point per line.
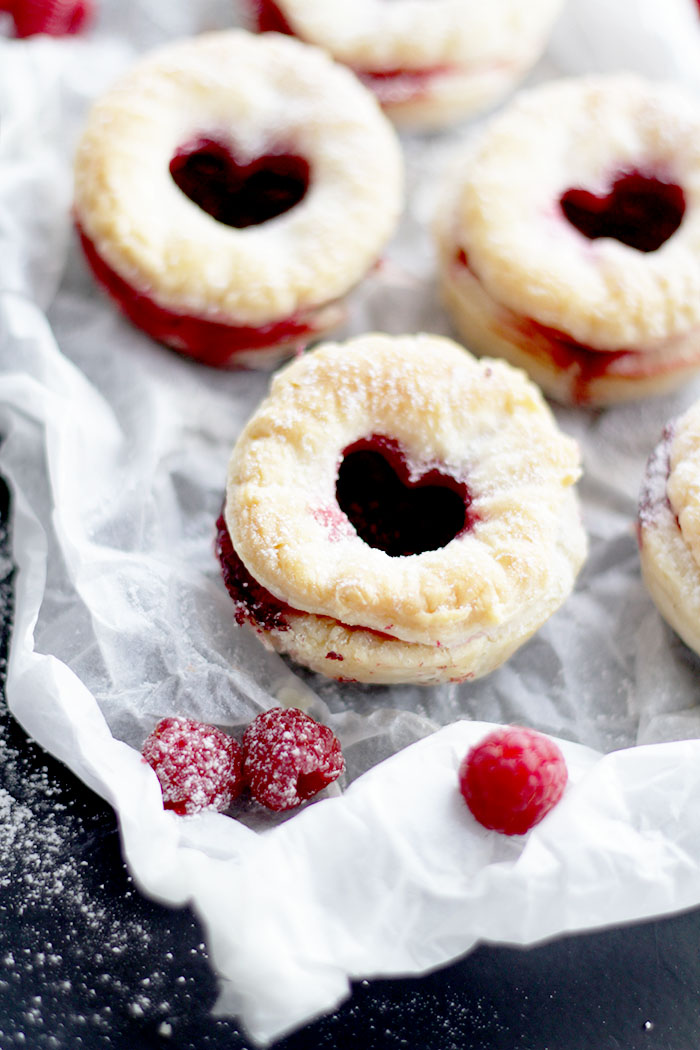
(356, 654)
(669, 538)
(257, 94)
(504, 211)
(481, 422)
(418, 34)
(471, 53)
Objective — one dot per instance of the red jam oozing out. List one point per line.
(400, 85)
(236, 193)
(253, 603)
(394, 511)
(256, 605)
(584, 363)
(639, 210)
(213, 343)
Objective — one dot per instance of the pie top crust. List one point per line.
(482, 422)
(582, 133)
(258, 94)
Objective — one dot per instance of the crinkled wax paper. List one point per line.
(116, 451)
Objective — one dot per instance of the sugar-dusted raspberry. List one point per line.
(198, 766)
(54, 17)
(288, 757)
(512, 778)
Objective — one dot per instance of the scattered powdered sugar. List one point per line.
(79, 954)
(81, 951)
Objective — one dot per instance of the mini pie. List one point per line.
(231, 189)
(669, 526)
(397, 511)
(428, 61)
(584, 267)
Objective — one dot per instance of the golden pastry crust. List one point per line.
(669, 526)
(484, 424)
(354, 654)
(509, 258)
(480, 48)
(257, 93)
(603, 294)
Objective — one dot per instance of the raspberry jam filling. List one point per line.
(585, 363)
(236, 193)
(253, 603)
(639, 210)
(214, 343)
(400, 85)
(394, 510)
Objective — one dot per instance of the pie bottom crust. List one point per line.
(443, 97)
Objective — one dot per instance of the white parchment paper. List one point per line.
(116, 449)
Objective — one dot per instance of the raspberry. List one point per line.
(288, 757)
(54, 17)
(198, 766)
(512, 778)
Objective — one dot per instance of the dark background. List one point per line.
(87, 962)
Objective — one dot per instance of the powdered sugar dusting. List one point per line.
(653, 498)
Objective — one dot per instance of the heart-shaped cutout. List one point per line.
(394, 510)
(639, 210)
(236, 193)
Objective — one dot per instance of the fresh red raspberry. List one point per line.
(288, 757)
(198, 766)
(512, 778)
(54, 17)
